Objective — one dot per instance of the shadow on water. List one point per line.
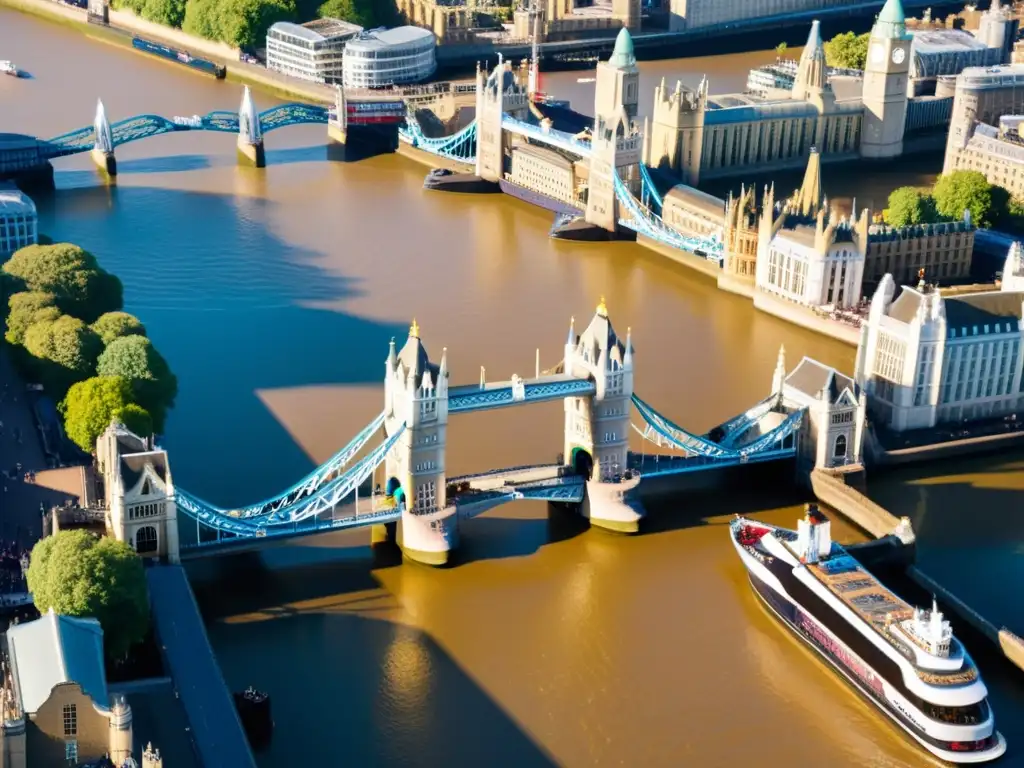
(205, 291)
(395, 696)
(173, 163)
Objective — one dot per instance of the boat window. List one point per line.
(972, 714)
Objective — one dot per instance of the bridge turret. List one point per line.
(250, 134)
(103, 148)
(416, 394)
(337, 120)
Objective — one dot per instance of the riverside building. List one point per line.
(312, 51)
(926, 359)
(19, 223)
(385, 57)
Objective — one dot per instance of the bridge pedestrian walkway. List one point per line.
(216, 730)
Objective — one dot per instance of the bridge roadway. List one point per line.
(469, 398)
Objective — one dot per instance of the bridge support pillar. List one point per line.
(383, 533)
(429, 539)
(106, 162)
(250, 135)
(613, 506)
(337, 124)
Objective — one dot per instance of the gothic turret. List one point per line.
(618, 79)
(811, 78)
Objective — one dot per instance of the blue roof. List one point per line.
(623, 56)
(749, 113)
(57, 649)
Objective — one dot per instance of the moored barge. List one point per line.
(904, 660)
(181, 57)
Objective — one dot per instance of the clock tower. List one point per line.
(885, 84)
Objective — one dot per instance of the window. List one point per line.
(71, 751)
(840, 450)
(145, 488)
(145, 540)
(426, 497)
(70, 720)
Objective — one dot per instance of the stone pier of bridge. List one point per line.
(595, 380)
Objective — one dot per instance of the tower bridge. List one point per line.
(402, 452)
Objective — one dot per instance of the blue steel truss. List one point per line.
(308, 484)
(645, 222)
(550, 136)
(322, 500)
(649, 192)
(567, 490)
(692, 444)
(459, 146)
(144, 126)
(472, 398)
(734, 429)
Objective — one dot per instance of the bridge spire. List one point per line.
(104, 136)
(627, 359)
(414, 329)
(249, 119)
(779, 378)
(571, 341)
(602, 308)
(443, 368)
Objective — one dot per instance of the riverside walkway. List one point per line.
(216, 730)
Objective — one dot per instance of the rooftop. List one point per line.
(57, 649)
(810, 377)
(317, 31)
(382, 38)
(696, 199)
(945, 41)
(13, 201)
(983, 309)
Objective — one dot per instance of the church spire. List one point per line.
(809, 198)
(811, 76)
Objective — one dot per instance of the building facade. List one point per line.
(943, 251)
(140, 502)
(998, 153)
(56, 706)
(694, 14)
(982, 97)
(19, 222)
(832, 434)
(385, 57)
(926, 359)
(545, 171)
(312, 51)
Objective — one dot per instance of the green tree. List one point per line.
(967, 191)
(909, 205)
(78, 574)
(244, 23)
(847, 50)
(129, 5)
(114, 325)
(170, 13)
(203, 18)
(65, 351)
(136, 418)
(26, 309)
(82, 289)
(345, 10)
(137, 360)
(90, 406)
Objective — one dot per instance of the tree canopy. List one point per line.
(910, 205)
(242, 23)
(968, 191)
(65, 351)
(137, 360)
(78, 574)
(90, 406)
(365, 13)
(80, 287)
(847, 50)
(114, 325)
(27, 308)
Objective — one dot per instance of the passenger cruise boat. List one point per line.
(8, 68)
(903, 659)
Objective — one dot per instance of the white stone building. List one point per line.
(926, 359)
(833, 431)
(313, 51)
(139, 492)
(19, 223)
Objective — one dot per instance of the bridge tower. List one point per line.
(250, 135)
(103, 150)
(337, 124)
(496, 94)
(597, 427)
(615, 152)
(416, 394)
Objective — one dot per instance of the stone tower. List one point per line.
(676, 138)
(597, 427)
(618, 79)
(615, 152)
(416, 394)
(496, 94)
(885, 84)
(740, 235)
(120, 730)
(811, 78)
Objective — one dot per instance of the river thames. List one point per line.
(273, 294)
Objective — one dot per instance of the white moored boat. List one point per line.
(8, 68)
(904, 659)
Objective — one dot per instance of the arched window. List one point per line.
(145, 540)
(840, 449)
